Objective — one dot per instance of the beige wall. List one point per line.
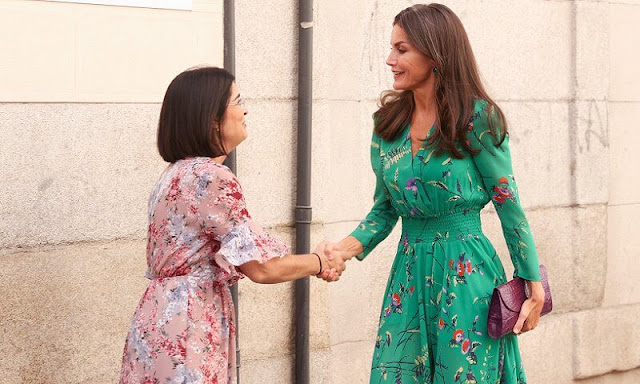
(78, 107)
(79, 100)
(58, 52)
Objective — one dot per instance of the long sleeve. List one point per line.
(494, 164)
(382, 217)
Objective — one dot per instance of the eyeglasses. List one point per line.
(239, 102)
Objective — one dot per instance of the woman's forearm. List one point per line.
(292, 267)
(281, 269)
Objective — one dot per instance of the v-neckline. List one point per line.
(408, 138)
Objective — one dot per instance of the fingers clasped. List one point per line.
(333, 261)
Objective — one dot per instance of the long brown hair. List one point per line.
(439, 34)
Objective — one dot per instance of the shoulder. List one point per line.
(379, 140)
(480, 111)
(375, 138)
(206, 168)
(486, 118)
(378, 143)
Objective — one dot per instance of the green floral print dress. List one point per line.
(433, 323)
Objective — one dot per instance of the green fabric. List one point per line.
(434, 315)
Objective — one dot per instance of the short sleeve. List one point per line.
(383, 217)
(494, 164)
(223, 215)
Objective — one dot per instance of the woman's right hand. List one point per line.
(332, 265)
(345, 250)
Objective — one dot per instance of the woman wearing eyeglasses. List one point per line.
(201, 240)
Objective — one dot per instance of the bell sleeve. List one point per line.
(223, 216)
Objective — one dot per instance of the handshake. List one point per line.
(332, 259)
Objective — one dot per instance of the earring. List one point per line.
(435, 70)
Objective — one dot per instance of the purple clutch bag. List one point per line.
(506, 301)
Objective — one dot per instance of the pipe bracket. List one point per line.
(303, 214)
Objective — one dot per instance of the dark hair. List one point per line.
(195, 100)
(439, 34)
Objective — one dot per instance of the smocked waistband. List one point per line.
(454, 223)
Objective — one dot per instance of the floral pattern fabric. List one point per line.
(433, 323)
(183, 330)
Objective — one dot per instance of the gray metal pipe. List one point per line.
(303, 192)
(229, 21)
(230, 57)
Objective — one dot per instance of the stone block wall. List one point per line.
(78, 110)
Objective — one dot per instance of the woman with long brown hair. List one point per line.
(440, 154)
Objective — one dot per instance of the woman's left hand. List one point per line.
(531, 308)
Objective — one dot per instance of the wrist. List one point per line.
(319, 266)
(536, 290)
(351, 246)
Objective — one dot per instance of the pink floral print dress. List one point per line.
(183, 330)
